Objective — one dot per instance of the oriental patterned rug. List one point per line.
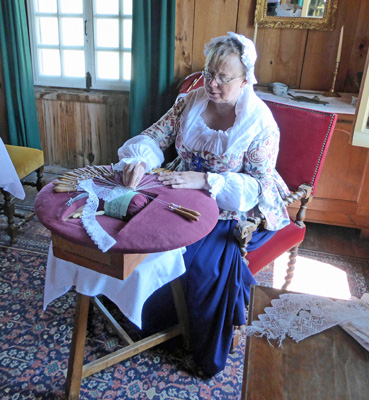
(34, 344)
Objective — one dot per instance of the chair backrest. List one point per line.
(304, 140)
(191, 82)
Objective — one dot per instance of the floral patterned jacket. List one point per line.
(258, 161)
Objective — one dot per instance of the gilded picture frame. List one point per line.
(324, 23)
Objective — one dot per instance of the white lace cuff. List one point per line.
(216, 182)
(141, 148)
(234, 191)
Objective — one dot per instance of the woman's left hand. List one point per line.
(185, 180)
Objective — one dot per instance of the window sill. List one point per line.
(78, 95)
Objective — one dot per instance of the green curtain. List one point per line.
(18, 80)
(151, 92)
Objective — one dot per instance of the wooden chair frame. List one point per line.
(243, 231)
(9, 209)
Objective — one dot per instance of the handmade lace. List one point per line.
(100, 237)
(302, 315)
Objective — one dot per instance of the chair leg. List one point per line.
(9, 211)
(291, 267)
(40, 183)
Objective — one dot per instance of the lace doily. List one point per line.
(100, 237)
(302, 315)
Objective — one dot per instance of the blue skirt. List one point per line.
(217, 288)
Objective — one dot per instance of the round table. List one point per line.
(155, 229)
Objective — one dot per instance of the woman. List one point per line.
(227, 143)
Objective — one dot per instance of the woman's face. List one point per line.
(226, 93)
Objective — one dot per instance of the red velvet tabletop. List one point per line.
(154, 229)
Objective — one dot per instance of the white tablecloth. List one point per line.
(129, 295)
(9, 180)
(339, 105)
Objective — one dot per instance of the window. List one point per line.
(77, 43)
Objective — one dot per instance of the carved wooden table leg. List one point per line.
(75, 364)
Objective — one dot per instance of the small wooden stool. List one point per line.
(25, 160)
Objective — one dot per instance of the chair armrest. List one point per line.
(243, 232)
(303, 192)
(244, 229)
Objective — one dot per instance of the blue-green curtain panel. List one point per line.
(151, 92)
(18, 80)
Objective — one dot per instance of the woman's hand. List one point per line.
(132, 174)
(185, 180)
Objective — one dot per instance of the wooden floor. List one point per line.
(319, 237)
(335, 240)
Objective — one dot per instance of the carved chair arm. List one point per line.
(303, 192)
(243, 232)
(244, 229)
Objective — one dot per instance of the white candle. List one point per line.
(255, 33)
(340, 46)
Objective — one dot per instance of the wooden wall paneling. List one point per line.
(245, 18)
(280, 55)
(117, 131)
(321, 51)
(342, 174)
(93, 129)
(280, 51)
(51, 115)
(212, 18)
(42, 129)
(185, 16)
(46, 143)
(78, 129)
(290, 57)
(63, 126)
(74, 157)
(343, 189)
(359, 49)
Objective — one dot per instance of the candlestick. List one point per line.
(255, 33)
(332, 93)
(338, 59)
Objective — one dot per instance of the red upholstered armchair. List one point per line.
(304, 140)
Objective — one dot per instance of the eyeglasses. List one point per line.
(221, 80)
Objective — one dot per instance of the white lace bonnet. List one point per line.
(248, 56)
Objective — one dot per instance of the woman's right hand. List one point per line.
(132, 174)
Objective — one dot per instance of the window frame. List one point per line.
(360, 135)
(89, 48)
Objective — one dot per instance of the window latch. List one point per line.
(88, 81)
